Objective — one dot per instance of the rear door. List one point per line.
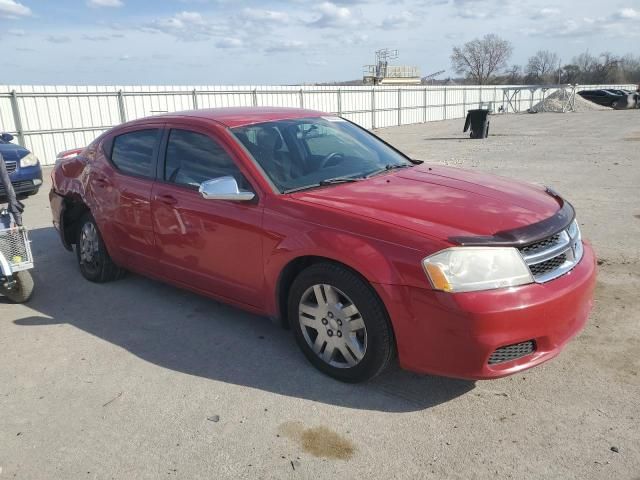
(121, 186)
(214, 246)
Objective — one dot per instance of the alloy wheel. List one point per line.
(332, 326)
(89, 244)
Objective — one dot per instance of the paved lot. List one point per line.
(135, 379)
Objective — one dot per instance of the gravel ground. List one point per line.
(136, 379)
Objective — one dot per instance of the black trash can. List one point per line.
(478, 120)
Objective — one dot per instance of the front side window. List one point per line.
(311, 152)
(132, 152)
(193, 158)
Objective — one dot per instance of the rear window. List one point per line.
(132, 152)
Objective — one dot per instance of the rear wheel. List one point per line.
(94, 260)
(22, 289)
(340, 323)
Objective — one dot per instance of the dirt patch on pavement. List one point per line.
(319, 441)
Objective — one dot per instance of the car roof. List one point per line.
(239, 116)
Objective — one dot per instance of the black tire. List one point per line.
(100, 268)
(23, 288)
(380, 342)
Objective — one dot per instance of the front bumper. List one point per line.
(455, 334)
(25, 180)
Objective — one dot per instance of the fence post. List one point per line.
(464, 102)
(123, 113)
(254, 97)
(194, 98)
(301, 98)
(339, 103)
(399, 106)
(373, 107)
(17, 119)
(531, 93)
(424, 116)
(444, 115)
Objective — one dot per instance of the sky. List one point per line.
(251, 42)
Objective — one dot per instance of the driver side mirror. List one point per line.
(224, 188)
(6, 137)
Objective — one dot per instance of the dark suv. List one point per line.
(23, 166)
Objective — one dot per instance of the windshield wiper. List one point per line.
(334, 181)
(323, 183)
(388, 167)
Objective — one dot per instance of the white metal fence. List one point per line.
(50, 119)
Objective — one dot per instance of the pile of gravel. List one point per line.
(555, 102)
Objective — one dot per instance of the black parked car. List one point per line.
(606, 98)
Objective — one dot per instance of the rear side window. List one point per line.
(193, 158)
(132, 152)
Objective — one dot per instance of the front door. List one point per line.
(214, 246)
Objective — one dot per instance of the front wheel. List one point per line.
(340, 323)
(22, 289)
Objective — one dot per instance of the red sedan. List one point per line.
(310, 219)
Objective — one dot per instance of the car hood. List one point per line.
(10, 151)
(441, 201)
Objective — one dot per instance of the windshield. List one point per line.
(310, 152)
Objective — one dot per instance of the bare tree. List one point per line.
(571, 74)
(630, 68)
(585, 62)
(481, 58)
(542, 66)
(513, 75)
(601, 69)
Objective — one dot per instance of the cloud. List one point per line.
(357, 38)
(285, 46)
(402, 19)
(12, 9)
(229, 42)
(618, 24)
(473, 14)
(544, 14)
(95, 38)
(186, 26)
(105, 3)
(627, 14)
(331, 15)
(271, 16)
(17, 32)
(58, 39)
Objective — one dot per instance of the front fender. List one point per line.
(377, 261)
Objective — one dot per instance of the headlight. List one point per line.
(467, 269)
(29, 160)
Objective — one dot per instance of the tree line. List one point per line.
(485, 61)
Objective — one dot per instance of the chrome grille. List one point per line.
(11, 165)
(555, 255)
(511, 352)
(541, 245)
(541, 268)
